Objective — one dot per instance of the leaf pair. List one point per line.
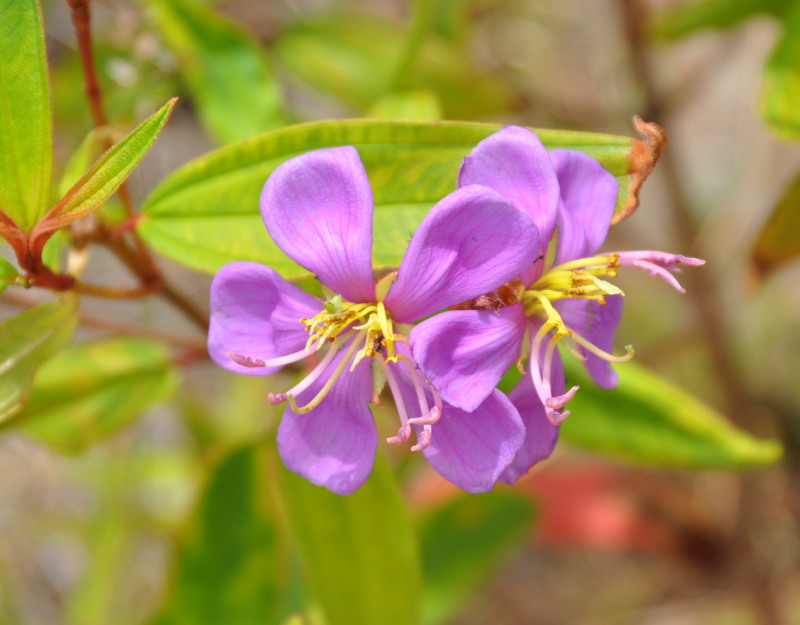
(26, 142)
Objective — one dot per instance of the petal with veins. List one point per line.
(334, 444)
(318, 208)
(514, 162)
(464, 353)
(255, 314)
(472, 242)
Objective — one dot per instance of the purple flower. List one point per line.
(563, 298)
(318, 209)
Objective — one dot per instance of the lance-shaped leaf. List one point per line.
(648, 420)
(26, 341)
(230, 566)
(207, 213)
(780, 92)
(89, 391)
(26, 143)
(235, 90)
(779, 239)
(358, 551)
(463, 542)
(106, 175)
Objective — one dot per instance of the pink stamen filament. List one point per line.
(246, 361)
(331, 380)
(307, 381)
(427, 416)
(405, 429)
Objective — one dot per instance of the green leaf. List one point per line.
(8, 274)
(230, 567)
(780, 92)
(82, 158)
(358, 551)
(420, 104)
(108, 173)
(207, 213)
(648, 420)
(779, 239)
(90, 391)
(27, 341)
(234, 88)
(690, 17)
(26, 142)
(333, 55)
(463, 542)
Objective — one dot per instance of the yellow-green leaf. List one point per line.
(231, 566)
(28, 340)
(26, 143)
(649, 420)
(207, 213)
(358, 551)
(88, 392)
(108, 172)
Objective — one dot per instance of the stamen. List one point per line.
(331, 380)
(591, 347)
(423, 439)
(312, 377)
(659, 264)
(403, 434)
(405, 429)
(557, 403)
(247, 361)
(429, 419)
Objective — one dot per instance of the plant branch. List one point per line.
(117, 327)
(141, 261)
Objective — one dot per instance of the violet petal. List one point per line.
(588, 196)
(334, 444)
(472, 449)
(472, 242)
(318, 208)
(256, 314)
(540, 435)
(514, 162)
(464, 353)
(598, 323)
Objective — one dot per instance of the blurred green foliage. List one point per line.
(245, 541)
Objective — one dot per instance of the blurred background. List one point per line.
(116, 527)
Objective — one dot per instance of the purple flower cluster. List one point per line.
(500, 271)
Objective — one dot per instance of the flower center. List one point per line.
(339, 317)
(577, 279)
(367, 331)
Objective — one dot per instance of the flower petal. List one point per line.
(588, 197)
(514, 162)
(464, 353)
(255, 313)
(318, 209)
(540, 435)
(597, 323)
(472, 242)
(334, 444)
(472, 449)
